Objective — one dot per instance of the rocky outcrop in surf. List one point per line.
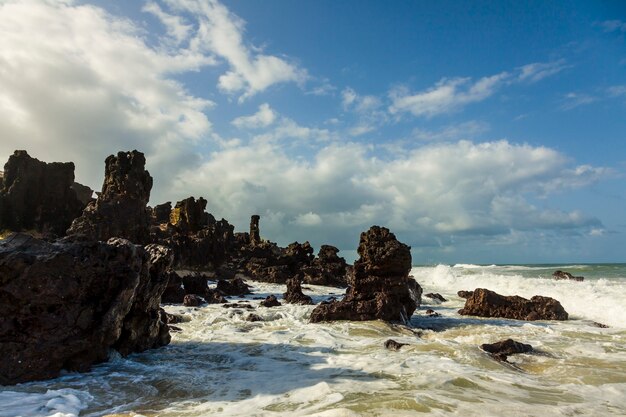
(327, 269)
(380, 288)
(562, 275)
(501, 350)
(38, 196)
(121, 208)
(294, 294)
(63, 305)
(485, 303)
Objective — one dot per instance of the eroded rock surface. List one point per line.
(37, 196)
(121, 208)
(503, 349)
(485, 303)
(63, 305)
(562, 275)
(327, 269)
(294, 294)
(381, 288)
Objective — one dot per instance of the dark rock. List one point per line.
(436, 297)
(432, 313)
(255, 231)
(238, 305)
(294, 294)
(486, 303)
(214, 297)
(83, 193)
(327, 269)
(161, 213)
(189, 216)
(192, 300)
(233, 287)
(63, 305)
(562, 275)
(195, 284)
(600, 325)
(37, 196)
(267, 262)
(501, 350)
(381, 288)
(174, 329)
(174, 292)
(465, 294)
(253, 317)
(121, 208)
(270, 301)
(393, 345)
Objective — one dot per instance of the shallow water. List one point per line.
(222, 365)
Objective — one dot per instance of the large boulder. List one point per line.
(501, 350)
(37, 196)
(121, 208)
(485, 303)
(327, 269)
(64, 305)
(380, 287)
(294, 294)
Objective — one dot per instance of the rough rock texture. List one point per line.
(327, 269)
(255, 232)
(485, 303)
(294, 294)
(270, 301)
(393, 345)
(161, 213)
(189, 216)
(502, 349)
(63, 305)
(436, 297)
(192, 300)
(121, 208)
(267, 262)
(380, 288)
(83, 193)
(174, 292)
(562, 275)
(234, 287)
(35, 195)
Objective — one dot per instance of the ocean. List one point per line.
(222, 365)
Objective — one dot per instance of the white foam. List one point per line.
(52, 403)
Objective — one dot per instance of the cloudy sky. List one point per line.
(490, 132)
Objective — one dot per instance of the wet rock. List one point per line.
(37, 196)
(393, 345)
(600, 325)
(121, 208)
(327, 269)
(174, 292)
(195, 284)
(486, 303)
(436, 297)
(381, 288)
(192, 300)
(238, 305)
(64, 305)
(432, 313)
(174, 329)
(562, 275)
(235, 287)
(270, 301)
(503, 349)
(465, 294)
(253, 317)
(214, 297)
(294, 294)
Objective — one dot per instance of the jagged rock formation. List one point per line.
(255, 232)
(234, 287)
(121, 208)
(37, 196)
(485, 303)
(294, 294)
(381, 288)
(161, 213)
(327, 269)
(63, 305)
(174, 292)
(503, 349)
(270, 301)
(562, 275)
(83, 193)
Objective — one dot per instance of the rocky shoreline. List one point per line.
(80, 276)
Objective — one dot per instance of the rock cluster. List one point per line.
(63, 305)
(485, 303)
(327, 269)
(380, 288)
(38, 196)
(121, 208)
(562, 275)
(294, 294)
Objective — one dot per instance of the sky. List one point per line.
(477, 132)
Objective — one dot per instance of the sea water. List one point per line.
(222, 365)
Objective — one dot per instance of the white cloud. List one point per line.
(428, 194)
(466, 130)
(573, 100)
(613, 26)
(617, 91)
(78, 84)
(175, 26)
(220, 32)
(262, 118)
(366, 108)
(446, 96)
(539, 70)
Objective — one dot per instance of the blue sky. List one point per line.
(490, 132)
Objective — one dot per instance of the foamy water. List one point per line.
(223, 365)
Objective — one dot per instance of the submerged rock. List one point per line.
(485, 303)
(294, 294)
(381, 288)
(63, 305)
(270, 301)
(38, 196)
(503, 349)
(393, 345)
(121, 208)
(436, 297)
(562, 275)
(192, 300)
